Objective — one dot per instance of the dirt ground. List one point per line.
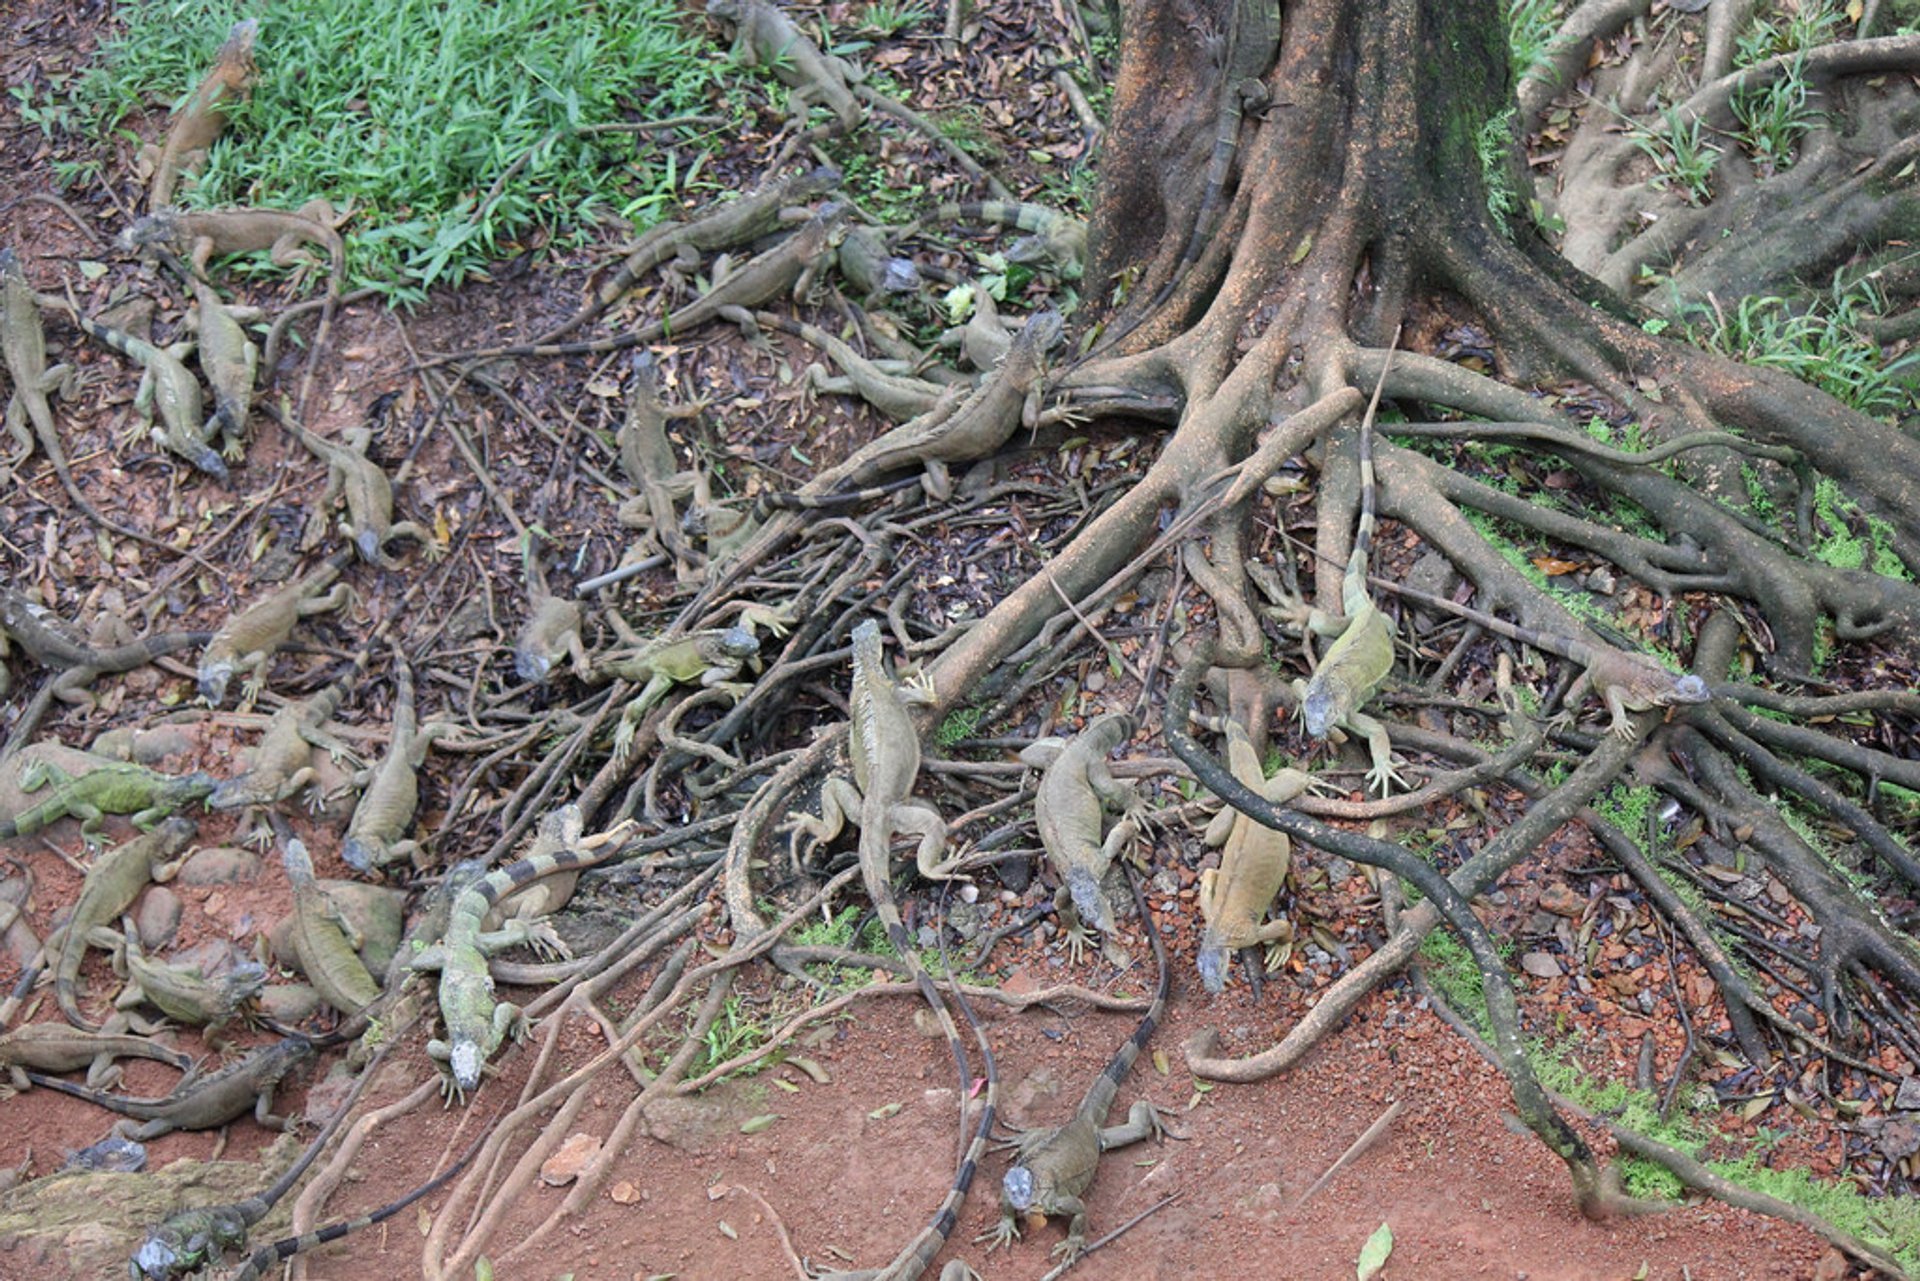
(837, 1177)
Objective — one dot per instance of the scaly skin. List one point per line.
(280, 763)
(713, 657)
(231, 362)
(1070, 811)
(368, 493)
(250, 638)
(385, 812)
(1626, 682)
(898, 397)
(649, 462)
(1056, 238)
(325, 941)
(23, 344)
(1052, 1168)
(763, 35)
(51, 1047)
(786, 268)
(201, 118)
(52, 643)
(476, 1024)
(185, 994)
(206, 1102)
(725, 226)
(1357, 662)
(1254, 862)
(115, 787)
(114, 881)
(168, 385)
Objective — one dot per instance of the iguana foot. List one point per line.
(546, 941)
(1072, 1248)
(1383, 778)
(1000, 1236)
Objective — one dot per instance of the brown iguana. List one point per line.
(476, 1023)
(1069, 809)
(786, 268)
(53, 643)
(323, 939)
(385, 812)
(898, 396)
(551, 632)
(280, 763)
(110, 787)
(765, 36)
(1053, 1168)
(1254, 860)
(205, 1102)
(871, 268)
(368, 493)
(724, 226)
(168, 386)
(1054, 237)
(1360, 659)
(23, 344)
(54, 1047)
(648, 460)
(200, 119)
(113, 882)
(251, 636)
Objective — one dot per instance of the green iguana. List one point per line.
(1053, 1168)
(199, 120)
(765, 36)
(206, 1102)
(1054, 237)
(111, 787)
(898, 396)
(230, 361)
(195, 1238)
(1069, 809)
(724, 226)
(1624, 681)
(324, 940)
(713, 657)
(54, 1047)
(786, 268)
(185, 993)
(871, 268)
(385, 811)
(1362, 655)
(23, 344)
(1254, 861)
(368, 493)
(250, 638)
(476, 1023)
(168, 386)
(113, 882)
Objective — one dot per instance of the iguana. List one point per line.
(551, 632)
(280, 763)
(185, 992)
(712, 656)
(1625, 681)
(1069, 809)
(1054, 237)
(368, 493)
(205, 1102)
(113, 882)
(111, 787)
(866, 264)
(53, 643)
(648, 460)
(765, 36)
(385, 812)
(230, 361)
(323, 939)
(898, 396)
(195, 1238)
(786, 268)
(249, 638)
(1254, 860)
(729, 225)
(54, 1047)
(266, 1256)
(1053, 1168)
(23, 344)
(200, 119)
(476, 1023)
(167, 385)
(1252, 42)
(1362, 655)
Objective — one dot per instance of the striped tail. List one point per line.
(1106, 1086)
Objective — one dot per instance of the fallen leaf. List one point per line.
(755, 1124)
(1373, 1255)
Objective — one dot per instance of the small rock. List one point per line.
(157, 918)
(564, 1166)
(1562, 899)
(220, 865)
(1338, 870)
(1542, 965)
(1907, 1097)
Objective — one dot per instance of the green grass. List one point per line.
(413, 111)
(730, 1035)
(1774, 117)
(1681, 153)
(1530, 27)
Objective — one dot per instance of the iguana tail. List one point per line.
(1123, 1058)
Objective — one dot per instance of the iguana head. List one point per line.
(1686, 689)
(1089, 899)
(187, 1241)
(465, 1061)
(1017, 1189)
(1213, 967)
(1320, 708)
(214, 675)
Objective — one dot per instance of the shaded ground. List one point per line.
(1466, 1196)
